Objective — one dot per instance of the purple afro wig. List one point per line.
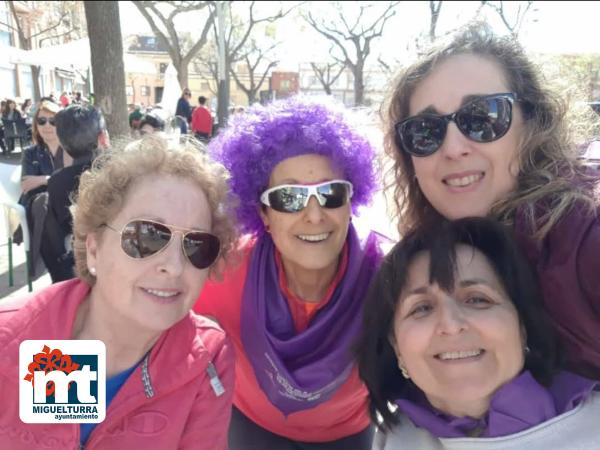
(255, 142)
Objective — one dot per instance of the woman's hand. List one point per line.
(30, 182)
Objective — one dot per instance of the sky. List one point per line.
(552, 27)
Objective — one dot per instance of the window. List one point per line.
(285, 85)
(129, 91)
(145, 91)
(5, 33)
(162, 67)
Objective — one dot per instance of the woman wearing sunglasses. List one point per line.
(458, 354)
(292, 307)
(474, 133)
(46, 155)
(149, 224)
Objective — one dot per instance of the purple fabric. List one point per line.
(568, 267)
(300, 371)
(518, 405)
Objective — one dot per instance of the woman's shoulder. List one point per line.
(33, 149)
(572, 429)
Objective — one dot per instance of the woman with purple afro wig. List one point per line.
(293, 307)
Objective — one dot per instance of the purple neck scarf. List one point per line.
(298, 371)
(518, 405)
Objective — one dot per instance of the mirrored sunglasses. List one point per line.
(144, 238)
(483, 119)
(292, 198)
(41, 121)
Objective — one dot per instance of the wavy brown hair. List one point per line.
(103, 190)
(547, 159)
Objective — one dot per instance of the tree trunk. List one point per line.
(108, 71)
(182, 74)
(359, 86)
(35, 74)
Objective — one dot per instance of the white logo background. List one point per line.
(63, 412)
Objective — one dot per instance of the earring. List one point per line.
(267, 228)
(403, 370)
(527, 350)
(92, 271)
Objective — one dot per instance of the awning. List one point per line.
(69, 75)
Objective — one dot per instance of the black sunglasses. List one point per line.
(291, 198)
(484, 119)
(41, 121)
(142, 238)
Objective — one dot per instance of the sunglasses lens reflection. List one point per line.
(141, 239)
(485, 119)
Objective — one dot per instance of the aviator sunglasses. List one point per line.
(483, 119)
(41, 121)
(142, 238)
(291, 198)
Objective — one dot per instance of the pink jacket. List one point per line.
(166, 403)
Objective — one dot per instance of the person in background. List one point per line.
(11, 120)
(38, 162)
(2, 142)
(78, 100)
(184, 109)
(135, 117)
(458, 353)
(473, 131)
(26, 109)
(151, 123)
(65, 100)
(293, 306)
(150, 222)
(202, 121)
(82, 134)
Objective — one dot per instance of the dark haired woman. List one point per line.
(455, 339)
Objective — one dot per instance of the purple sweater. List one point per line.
(568, 266)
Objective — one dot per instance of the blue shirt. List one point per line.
(113, 384)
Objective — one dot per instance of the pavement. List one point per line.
(20, 279)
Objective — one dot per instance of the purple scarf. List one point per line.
(518, 405)
(298, 371)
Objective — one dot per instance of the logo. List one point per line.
(62, 381)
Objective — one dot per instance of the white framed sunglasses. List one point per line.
(291, 198)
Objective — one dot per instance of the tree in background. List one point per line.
(106, 51)
(257, 66)
(512, 24)
(57, 23)
(240, 25)
(328, 73)
(352, 39)
(161, 17)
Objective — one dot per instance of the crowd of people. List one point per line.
(197, 121)
(16, 119)
(240, 302)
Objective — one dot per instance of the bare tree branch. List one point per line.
(324, 74)
(434, 8)
(170, 40)
(254, 51)
(515, 28)
(358, 36)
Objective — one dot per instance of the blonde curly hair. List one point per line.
(103, 189)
